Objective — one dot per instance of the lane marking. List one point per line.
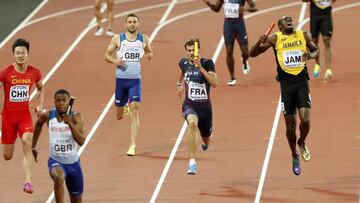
(19, 27)
(276, 120)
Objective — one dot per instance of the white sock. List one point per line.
(192, 161)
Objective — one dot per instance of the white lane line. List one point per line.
(214, 58)
(167, 12)
(19, 27)
(302, 12)
(276, 121)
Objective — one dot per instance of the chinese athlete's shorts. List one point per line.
(15, 123)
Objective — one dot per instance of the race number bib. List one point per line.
(231, 10)
(63, 147)
(19, 93)
(323, 3)
(292, 58)
(197, 91)
(132, 53)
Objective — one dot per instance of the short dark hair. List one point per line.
(131, 15)
(191, 42)
(21, 43)
(61, 91)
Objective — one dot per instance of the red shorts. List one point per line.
(15, 123)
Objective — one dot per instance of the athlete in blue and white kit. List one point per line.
(130, 47)
(66, 131)
(197, 75)
(234, 28)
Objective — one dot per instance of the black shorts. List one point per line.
(204, 115)
(294, 96)
(235, 29)
(321, 24)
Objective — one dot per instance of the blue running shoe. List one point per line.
(296, 165)
(191, 169)
(204, 146)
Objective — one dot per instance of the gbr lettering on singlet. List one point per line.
(231, 10)
(131, 53)
(19, 93)
(63, 147)
(197, 91)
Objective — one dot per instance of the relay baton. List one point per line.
(270, 29)
(71, 103)
(196, 50)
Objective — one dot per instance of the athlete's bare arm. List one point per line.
(180, 84)
(114, 45)
(252, 6)
(262, 45)
(314, 50)
(42, 118)
(39, 95)
(147, 47)
(210, 76)
(215, 7)
(76, 125)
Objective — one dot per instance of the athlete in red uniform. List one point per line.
(17, 79)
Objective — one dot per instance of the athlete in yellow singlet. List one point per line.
(292, 49)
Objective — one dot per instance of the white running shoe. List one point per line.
(110, 33)
(246, 68)
(232, 82)
(99, 31)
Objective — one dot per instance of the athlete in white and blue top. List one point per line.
(66, 131)
(130, 47)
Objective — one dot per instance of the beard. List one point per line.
(61, 113)
(131, 31)
(289, 30)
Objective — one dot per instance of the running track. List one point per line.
(243, 115)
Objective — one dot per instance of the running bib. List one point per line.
(130, 53)
(63, 147)
(19, 93)
(292, 58)
(231, 10)
(197, 91)
(323, 3)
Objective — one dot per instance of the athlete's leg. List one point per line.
(8, 151)
(97, 12)
(304, 114)
(327, 52)
(290, 121)
(245, 52)
(192, 135)
(26, 140)
(77, 199)
(110, 15)
(230, 61)
(119, 112)
(135, 123)
(316, 41)
(58, 176)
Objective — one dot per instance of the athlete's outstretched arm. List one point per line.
(43, 118)
(314, 50)
(114, 44)
(262, 45)
(215, 7)
(76, 125)
(147, 47)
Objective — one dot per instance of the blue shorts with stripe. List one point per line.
(73, 176)
(235, 29)
(127, 90)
